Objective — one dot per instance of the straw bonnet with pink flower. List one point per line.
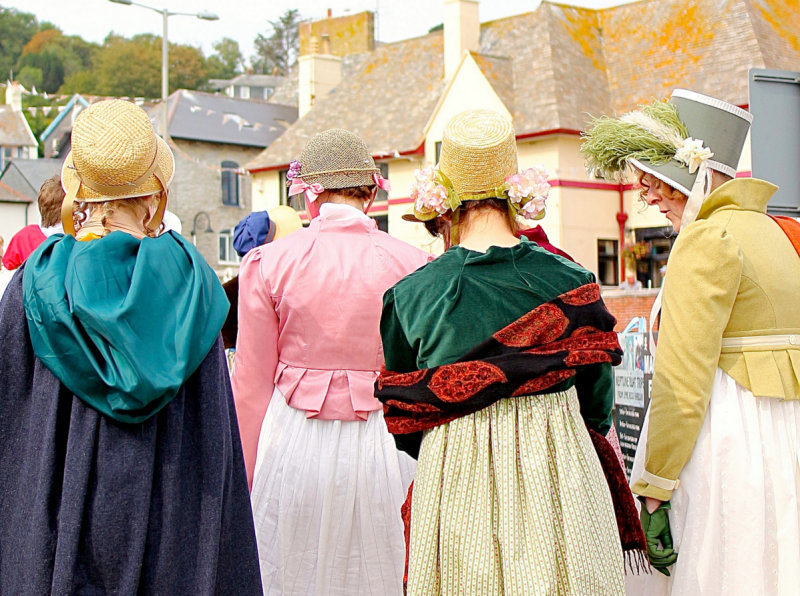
(478, 161)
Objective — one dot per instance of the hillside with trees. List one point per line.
(53, 66)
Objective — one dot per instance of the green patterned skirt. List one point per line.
(512, 500)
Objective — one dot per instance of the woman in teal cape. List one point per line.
(121, 468)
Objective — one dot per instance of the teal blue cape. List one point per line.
(122, 322)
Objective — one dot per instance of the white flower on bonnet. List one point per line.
(692, 153)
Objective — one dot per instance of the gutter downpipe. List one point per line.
(622, 217)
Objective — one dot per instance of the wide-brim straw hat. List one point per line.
(479, 151)
(116, 154)
(286, 220)
(337, 158)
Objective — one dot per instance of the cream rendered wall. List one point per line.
(575, 218)
(468, 90)
(266, 190)
(13, 218)
(586, 215)
(401, 175)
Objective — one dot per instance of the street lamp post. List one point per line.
(165, 14)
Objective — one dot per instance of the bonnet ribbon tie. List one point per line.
(312, 191)
(700, 190)
(381, 182)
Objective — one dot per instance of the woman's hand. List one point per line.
(657, 532)
(652, 504)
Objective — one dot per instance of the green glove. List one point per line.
(657, 532)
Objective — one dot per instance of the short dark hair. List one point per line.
(51, 195)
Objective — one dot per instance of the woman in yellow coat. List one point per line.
(718, 465)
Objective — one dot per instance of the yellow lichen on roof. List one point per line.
(581, 24)
(783, 16)
(662, 47)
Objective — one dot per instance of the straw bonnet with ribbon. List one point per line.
(679, 141)
(115, 155)
(478, 161)
(332, 160)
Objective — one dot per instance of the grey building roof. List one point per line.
(24, 177)
(554, 66)
(198, 116)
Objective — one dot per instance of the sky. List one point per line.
(242, 20)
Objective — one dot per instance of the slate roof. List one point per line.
(14, 129)
(556, 65)
(22, 178)
(199, 116)
(386, 97)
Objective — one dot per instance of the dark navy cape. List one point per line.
(92, 506)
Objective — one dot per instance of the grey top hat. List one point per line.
(679, 141)
(722, 127)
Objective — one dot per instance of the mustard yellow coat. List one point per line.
(732, 273)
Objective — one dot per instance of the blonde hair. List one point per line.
(138, 205)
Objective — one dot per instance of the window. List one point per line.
(296, 202)
(383, 222)
(230, 183)
(227, 254)
(651, 269)
(607, 262)
(382, 194)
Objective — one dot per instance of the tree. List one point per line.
(226, 61)
(49, 65)
(278, 51)
(16, 29)
(132, 67)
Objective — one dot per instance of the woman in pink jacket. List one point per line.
(327, 480)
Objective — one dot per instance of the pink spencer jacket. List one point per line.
(309, 314)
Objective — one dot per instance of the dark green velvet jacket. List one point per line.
(438, 313)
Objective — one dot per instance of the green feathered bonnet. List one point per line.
(669, 139)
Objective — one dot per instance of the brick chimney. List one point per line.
(318, 73)
(323, 43)
(462, 32)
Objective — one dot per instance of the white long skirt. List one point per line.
(326, 504)
(735, 515)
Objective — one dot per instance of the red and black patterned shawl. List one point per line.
(541, 349)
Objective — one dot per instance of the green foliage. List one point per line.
(82, 81)
(16, 29)
(50, 67)
(29, 77)
(132, 67)
(276, 53)
(226, 61)
(40, 119)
